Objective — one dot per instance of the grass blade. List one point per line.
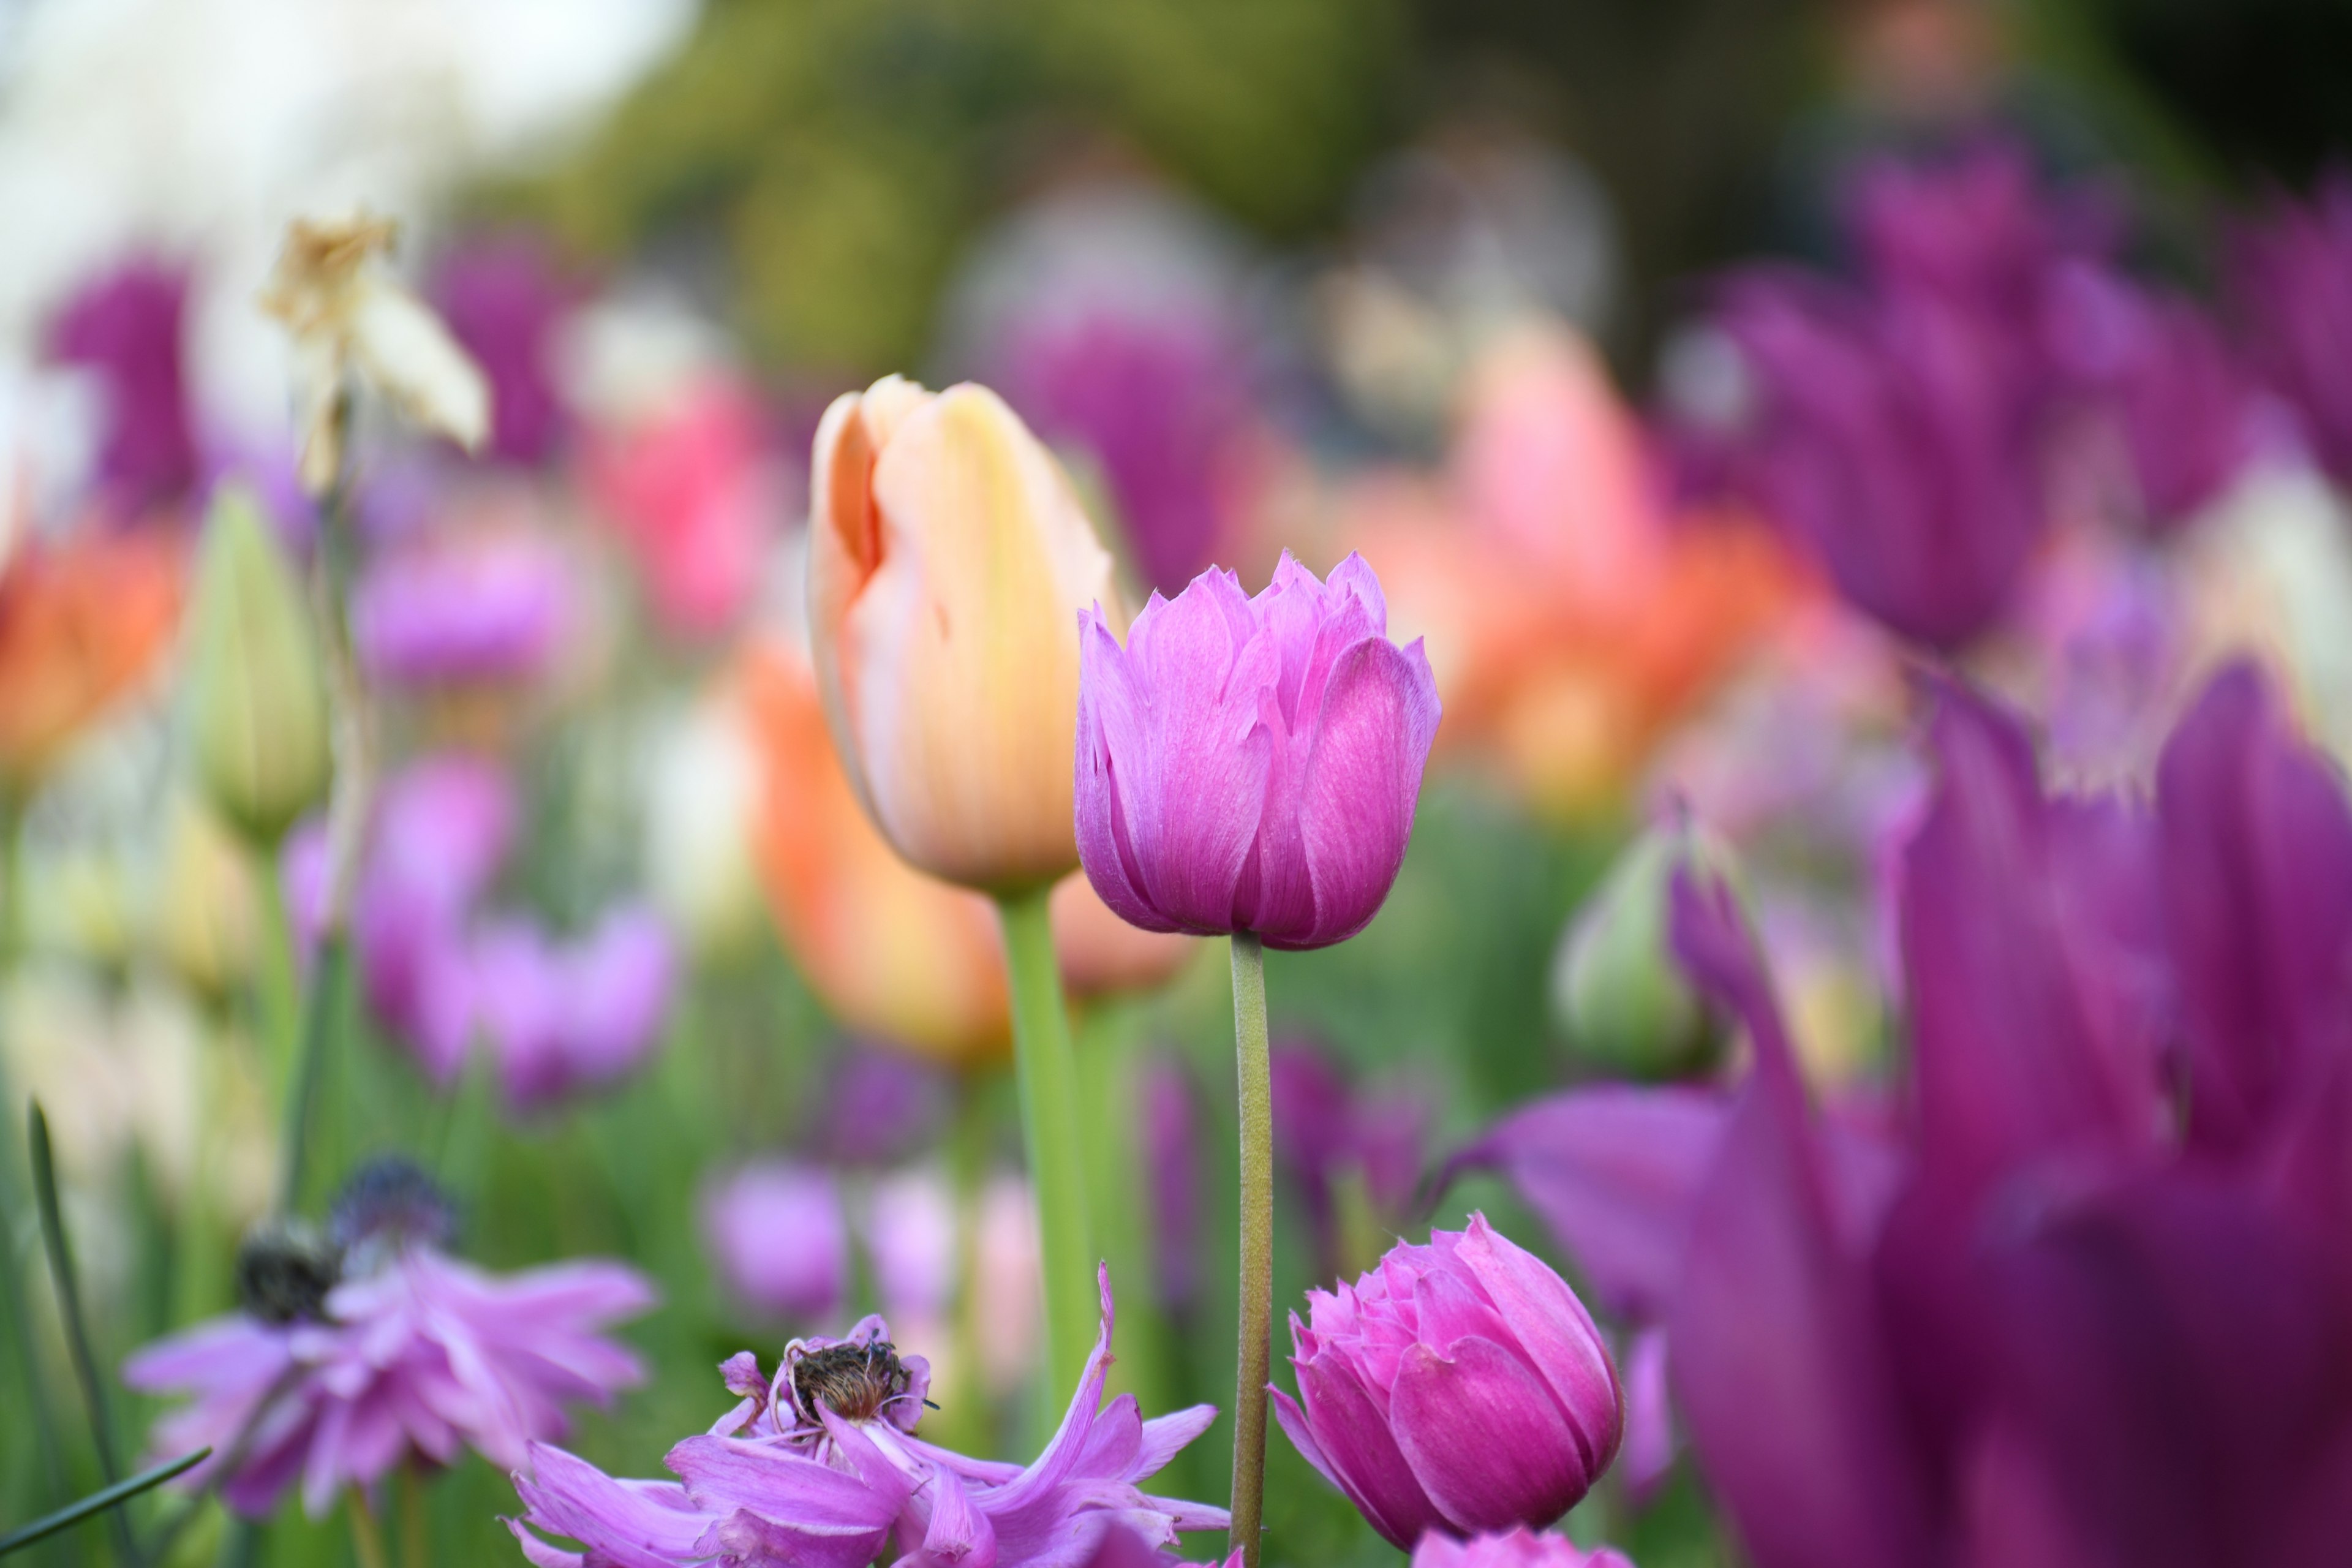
(121, 1491)
(61, 1274)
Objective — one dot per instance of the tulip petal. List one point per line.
(1485, 1437)
(1362, 780)
(1113, 749)
(2007, 1064)
(1613, 1171)
(2257, 847)
(956, 657)
(1552, 1327)
(1360, 1453)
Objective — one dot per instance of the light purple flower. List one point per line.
(556, 1018)
(1252, 765)
(413, 1354)
(878, 1106)
(820, 1466)
(126, 327)
(453, 612)
(503, 300)
(1515, 1549)
(1459, 1386)
(776, 1231)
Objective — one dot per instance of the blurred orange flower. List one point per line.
(888, 950)
(1569, 621)
(80, 622)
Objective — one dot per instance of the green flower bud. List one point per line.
(258, 704)
(1616, 988)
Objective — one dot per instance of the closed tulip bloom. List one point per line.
(257, 701)
(1458, 1387)
(1252, 765)
(948, 553)
(1515, 1549)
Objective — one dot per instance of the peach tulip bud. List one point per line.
(949, 558)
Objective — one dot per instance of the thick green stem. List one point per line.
(1253, 1358)
(1045, 1065)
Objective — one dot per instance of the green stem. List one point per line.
(1253, 1358)
(318, 1011)
(276, 983)
(367, 1540)
(1045, 1067)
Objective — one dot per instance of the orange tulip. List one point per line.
(888, 950)
(1571, 622)
(949, 558)
(81, 624)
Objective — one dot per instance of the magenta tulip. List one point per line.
(1252, 765)
(1458, 1387)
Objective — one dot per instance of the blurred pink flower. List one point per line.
(503, 298)
(463, 610)
(695, 492)
(125, 326)
(1519, 1547)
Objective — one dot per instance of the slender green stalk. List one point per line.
(1044, 1065)
(319, 1004)
(367, 1540)
(415, 1528)
(275, 985)
(121, 1491)
(68, 1288)
(12, 1289)
(1253, 1358)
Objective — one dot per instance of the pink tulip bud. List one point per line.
(1458, 1387)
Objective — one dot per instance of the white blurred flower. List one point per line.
(346, 317)
(2270, 570)
(702, 786)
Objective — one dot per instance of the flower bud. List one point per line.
(1459, 1387)
(205, 918)
(257, 707)
(1615, 987)
(949, 558)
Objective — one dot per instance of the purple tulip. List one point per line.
(821, 1466)
(878, 1106)
(1459, 1386)
(355, 1355)
(1513, 1549)
(458, 612)
(1161, 403)
(503, 300)
(126, 327)
(2170, 385)
(1324, 1131)
(2290, 277)
(1172, 1153)
(776, 1232)
(1252, 765)
(1898, 437)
